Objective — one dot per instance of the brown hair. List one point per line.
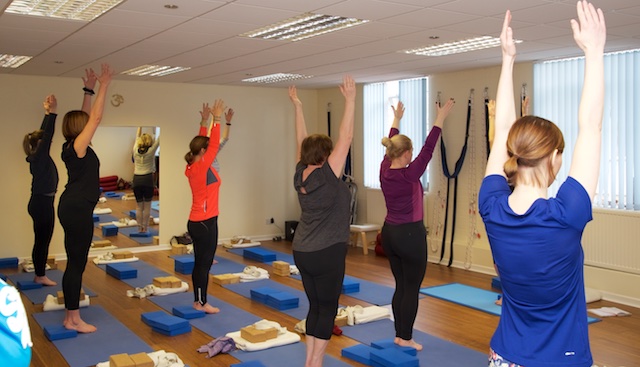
(197, 144)
(73, 123)
(315, 149)
(531, 141)
(31, 142)
(144, 142)
(397, 145)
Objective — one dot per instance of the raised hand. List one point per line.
(506, 37)
(217, 109)
(50, 104)
(443, 111)
(398, 111)
(293, 96)
(106, 74)
(206, 112)
(228, 115)
(89, 79)
(348, 88)
(589, 31)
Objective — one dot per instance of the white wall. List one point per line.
(257, 163)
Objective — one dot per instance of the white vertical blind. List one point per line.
(557, 91)
(374, 115)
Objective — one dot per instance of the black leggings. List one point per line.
(322, 275)
(205, 241)
(76, 217)
(406, 248)
(41, 210)
(143, 187)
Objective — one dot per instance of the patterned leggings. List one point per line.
(496, 360)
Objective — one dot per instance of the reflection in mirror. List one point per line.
(129, 176)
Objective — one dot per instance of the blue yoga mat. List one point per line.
(244, 289)
(286, 355)
(230, 318)
(371, 292)
(104, 218)
(155, 205)
(141, 240)
(476, 298)
(436, 352)
(146, 273)
(37, 296)
(84, 350)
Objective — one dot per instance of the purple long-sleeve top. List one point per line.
(401, 187)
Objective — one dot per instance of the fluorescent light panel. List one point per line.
(304, 26)
(276, 78)
(85, 10)
(449, 48)
(155, 70)
(13, 61)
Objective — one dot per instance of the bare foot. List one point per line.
(499, 302)
(207, 308)
(44, 280)
(80, 326)
(215, 261)
(409, 343)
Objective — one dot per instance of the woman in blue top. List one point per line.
(535, 240)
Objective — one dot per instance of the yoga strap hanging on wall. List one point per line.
(454, 176)
(486, 120)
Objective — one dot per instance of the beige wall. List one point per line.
(257, 163)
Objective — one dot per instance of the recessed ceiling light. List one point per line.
(304, 26)
(155, 70)
(58, 62)
(434, 37)
(171, 6)
(449, 48)
(86, 10)
(276, 78)
(13, 61)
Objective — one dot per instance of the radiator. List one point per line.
(612, 241)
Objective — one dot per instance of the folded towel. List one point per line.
(102, 211)
(51, 303)
(252, 273)
(108, 259)
(284, 337)
(362, 315)
(124, 222)
(152, 290)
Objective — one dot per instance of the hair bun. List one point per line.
(387, 142)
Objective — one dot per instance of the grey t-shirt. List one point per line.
(325, 209)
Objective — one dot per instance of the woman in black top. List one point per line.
(44, 184)
(81, 194)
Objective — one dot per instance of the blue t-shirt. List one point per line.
(15, 336)
(540, 262)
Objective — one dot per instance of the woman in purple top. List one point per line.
(535, 240)
(404, 238)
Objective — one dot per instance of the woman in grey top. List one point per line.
(320, 241)
(144, 158)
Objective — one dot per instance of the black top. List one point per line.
(84, 173)
(43, 171)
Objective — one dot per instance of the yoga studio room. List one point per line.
(269, 183)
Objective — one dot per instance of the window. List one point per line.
(557, 91)
(378, 117)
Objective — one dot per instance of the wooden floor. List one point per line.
(614, 341)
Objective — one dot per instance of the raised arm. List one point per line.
(204, 122)
(89, 81)
(505, 103)
(50, 105)
(301, 127)
(228, 116)
(590, 33)
(83, 140)
(492, 122)
(398, 112)
(338, 156)
(214, 131)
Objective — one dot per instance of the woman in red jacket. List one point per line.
(203, 219)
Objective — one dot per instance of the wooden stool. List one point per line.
(362, 229)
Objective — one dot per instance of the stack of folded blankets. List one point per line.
(259, 254)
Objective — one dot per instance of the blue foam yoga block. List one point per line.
(184, 264)
(24, 285)
(122, 271)
(282, 300)
(359, 353)
(187, 312)
(110, 230)
(96, 218)
(350, 286)
(496, 283)
(173, 332)
(249, 364)
(132, 214)
(259, 254)
(163, 321)
(392, 357)
(57, 332)
(9, 262)
(141, 234)
(260, 294)
(388, 343)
